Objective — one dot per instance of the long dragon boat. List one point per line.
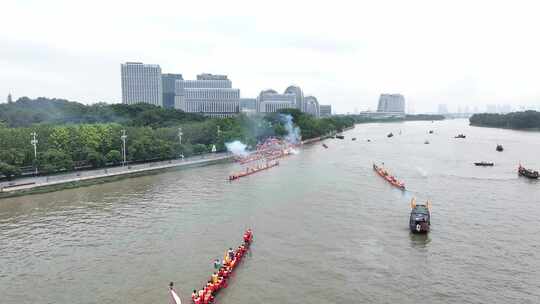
(270, 149)
(388, 177)
(253, 170)
(223, 270)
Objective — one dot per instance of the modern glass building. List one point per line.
(248, 105)
(141, 83)
(169, 88)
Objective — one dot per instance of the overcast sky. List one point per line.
(343, 52)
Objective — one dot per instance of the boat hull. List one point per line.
(484, 164)
(388, 178)
(419, 227)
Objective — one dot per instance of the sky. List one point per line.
(346, 53)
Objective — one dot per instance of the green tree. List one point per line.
(12, 156)
(54, 160)
(9, 171)
(199, 149)
(94, 158)
(114, 157)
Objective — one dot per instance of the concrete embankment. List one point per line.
(44, 184)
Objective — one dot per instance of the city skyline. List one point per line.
(419, 50)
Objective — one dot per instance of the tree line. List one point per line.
(77, 141)
(27, 112)
(514, 120)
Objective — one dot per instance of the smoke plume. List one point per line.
(237, 148)
(293, 132)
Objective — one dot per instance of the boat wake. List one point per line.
(422, 172)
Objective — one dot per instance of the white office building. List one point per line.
(270, 101)
(141, 83)
(210, 95)
(391, 103)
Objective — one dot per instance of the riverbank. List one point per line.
(505, 128)
(525, 121)
(42, 184)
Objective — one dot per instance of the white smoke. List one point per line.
(293, 132)
(237, 148)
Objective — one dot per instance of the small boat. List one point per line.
(426, 142)
(499, 148)
(389, 178)
(460, 136)
(325, 146)
(430, 131)
(390, 134)
(483, 164)
(527, 172)
(420, 219)
(353, 139)
(340, 136)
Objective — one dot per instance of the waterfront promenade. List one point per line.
(29, 183)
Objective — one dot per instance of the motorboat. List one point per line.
(420, 218)
(522, 171)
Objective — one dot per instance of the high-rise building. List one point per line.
(141, 83)
(169, 88)
(210, 95)
(299, 97)
(9, 98)
(312, 106)
(325, 110)
(270, 101)
(391, 103)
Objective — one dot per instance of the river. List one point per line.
(326, 228)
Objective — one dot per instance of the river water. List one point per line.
(327, 229)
